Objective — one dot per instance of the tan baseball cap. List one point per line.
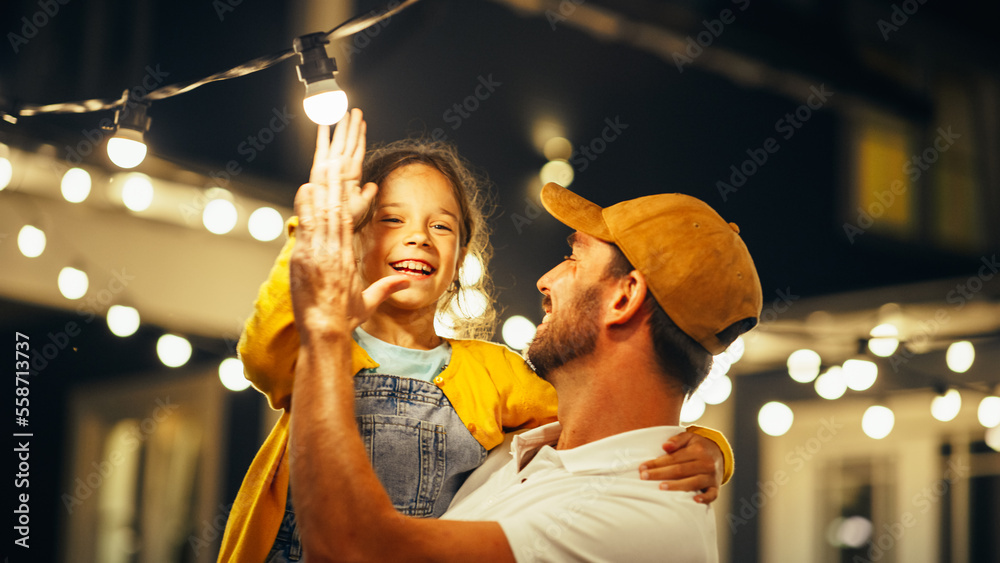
(695, 263)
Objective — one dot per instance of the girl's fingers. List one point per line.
(691, 484)
(676, 472)
(381, 289)
(707, 496)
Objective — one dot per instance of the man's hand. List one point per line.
(344, 156)
(326, 289)
(343, 511)
(692, 463)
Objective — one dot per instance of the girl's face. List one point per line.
(414, 231)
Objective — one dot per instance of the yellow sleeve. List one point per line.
(527, 400)
(494, 392)
(256, 513)
(720, 440)
(269, 344)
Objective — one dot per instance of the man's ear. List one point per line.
(629, 294)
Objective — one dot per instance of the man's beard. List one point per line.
(567, 336)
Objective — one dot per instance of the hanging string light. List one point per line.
(325, 102)
(127, 147)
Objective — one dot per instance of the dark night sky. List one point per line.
(684, 130)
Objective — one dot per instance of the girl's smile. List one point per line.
(414, 231)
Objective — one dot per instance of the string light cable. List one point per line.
(316, 69)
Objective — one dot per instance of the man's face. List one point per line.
(573, 292)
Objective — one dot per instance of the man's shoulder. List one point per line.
(583, 508)
(616, 518)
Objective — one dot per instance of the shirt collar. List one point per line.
(614, 454)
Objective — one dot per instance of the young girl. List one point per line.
(429, 408)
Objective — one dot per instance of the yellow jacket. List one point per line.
(489, 386)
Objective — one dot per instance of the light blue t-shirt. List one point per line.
(403, 362)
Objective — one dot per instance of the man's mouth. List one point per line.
(413, 267)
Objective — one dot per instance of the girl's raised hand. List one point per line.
(346, 152)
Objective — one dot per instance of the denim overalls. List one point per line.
(421, 451)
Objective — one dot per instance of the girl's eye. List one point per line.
(391, 220)
(441, 227)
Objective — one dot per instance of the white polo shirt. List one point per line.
(586, 503)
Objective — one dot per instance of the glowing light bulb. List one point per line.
(860, 374)
(231, 375)
(831, 385)
(127, 147)
(558, 148)
(735, 350)
(444, 325)
(946, 407)
(989, 411)
(775, 418)
(219, 216)
(960, 356)
(854, 531)
(993, 438)
(877, 422)
(265, 224)
(692, 410)
(558, 171)
(174, 351)
(325, 102)
(884, 340)
(715, 391)
(720, 366)
(122, 320)
(73, 283)
(31, 241)
(471, 303)
(126, 153)
(803, 365)
(75, 185)
(137, 193)
(6, 172)
(472, 271)
(518, 331)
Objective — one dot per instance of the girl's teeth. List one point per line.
(416, 266)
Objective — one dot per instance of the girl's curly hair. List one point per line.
(475, 206)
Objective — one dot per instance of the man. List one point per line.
(653, 288)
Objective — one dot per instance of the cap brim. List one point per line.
(575, 212)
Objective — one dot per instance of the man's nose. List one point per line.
(545, 282)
